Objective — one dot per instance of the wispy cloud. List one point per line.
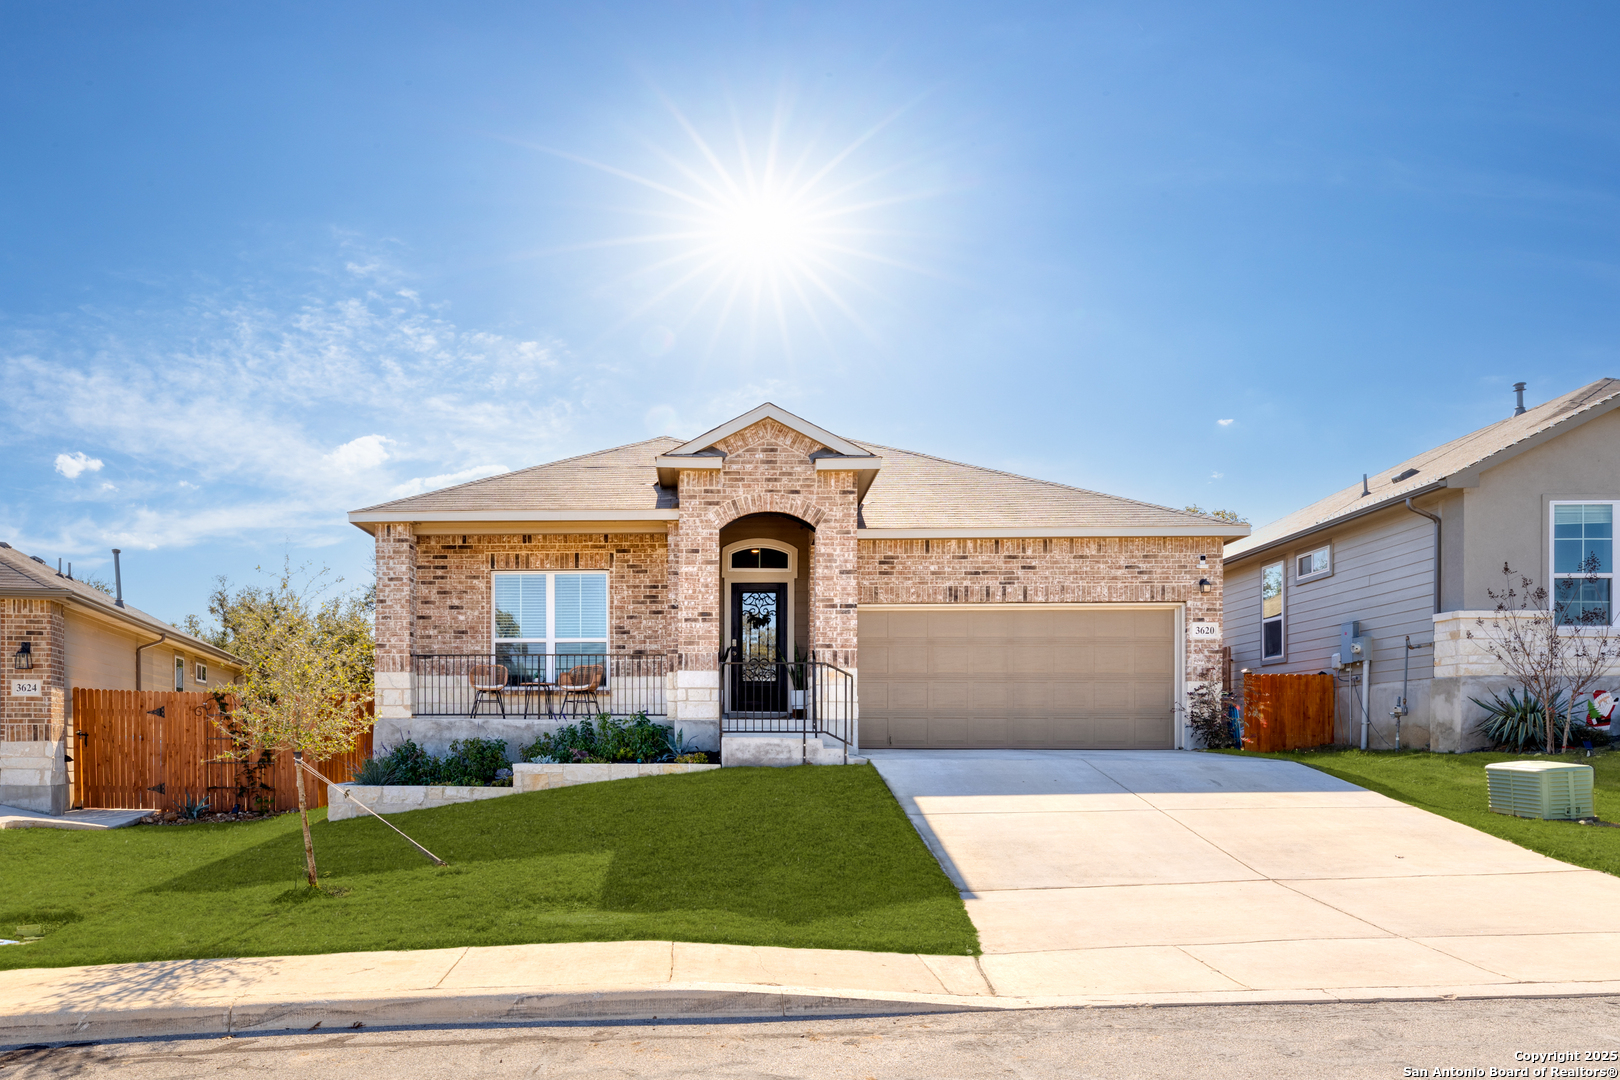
(1226, 423)
(71, 465)
(288, 414)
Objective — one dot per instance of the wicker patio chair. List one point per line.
(579, 686)
(489, 684)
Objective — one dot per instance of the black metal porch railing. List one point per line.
(810, 698)
(545, 685)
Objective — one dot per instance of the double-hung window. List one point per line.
(1271, 612)
(1583, 562)
(548, 622)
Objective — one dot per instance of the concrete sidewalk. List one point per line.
(595, 981)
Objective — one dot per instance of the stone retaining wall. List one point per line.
(398, 798)
(527, 777)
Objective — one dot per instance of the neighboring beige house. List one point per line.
(57, 634)
(1537, 490)
(940, 604)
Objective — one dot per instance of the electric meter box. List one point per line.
(1353, 648)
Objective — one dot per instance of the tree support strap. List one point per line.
(299, 759)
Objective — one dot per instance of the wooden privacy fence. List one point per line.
(1286, 712)
(161, 750)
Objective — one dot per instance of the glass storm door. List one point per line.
(758, 648)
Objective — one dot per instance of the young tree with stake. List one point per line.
(308, 676)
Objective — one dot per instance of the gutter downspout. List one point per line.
(138, 650)
(1437, 527)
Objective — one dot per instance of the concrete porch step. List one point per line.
(780, 751)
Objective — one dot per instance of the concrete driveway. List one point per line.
(1214, 877)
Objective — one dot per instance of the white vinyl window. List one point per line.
(201, 672)
(1313, 564)
(1583, 562)
(545, 622)
(1271, 612)
(179, 672)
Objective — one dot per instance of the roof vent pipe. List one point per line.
(1518, 388)
(1365, 490)
(118, 580)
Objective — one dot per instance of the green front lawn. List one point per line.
(808, 857)
(1453, 786)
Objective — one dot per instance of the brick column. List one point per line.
(834, 581)
(33, 770)
(396, 618)
(42, 625)
(694, 693)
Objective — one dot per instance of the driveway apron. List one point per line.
(1166, 872)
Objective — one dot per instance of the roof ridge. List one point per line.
(1038, 480)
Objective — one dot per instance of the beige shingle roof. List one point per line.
(911, 492)
(21, 576)
(1477, 448)
(916, 491)
(622, 478)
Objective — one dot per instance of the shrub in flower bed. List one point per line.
(607, 740)
(470, 763)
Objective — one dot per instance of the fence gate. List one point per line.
(162, 750)
(1286, 712)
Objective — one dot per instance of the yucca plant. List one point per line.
(1518, 723)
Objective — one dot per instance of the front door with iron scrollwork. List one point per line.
(758, 648)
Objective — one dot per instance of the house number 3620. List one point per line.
(1205, 631)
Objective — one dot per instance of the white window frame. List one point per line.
(1553, 577)
(1314, 575)
(179, 673)
(551, 640)
(1280, 618)
(199, 672)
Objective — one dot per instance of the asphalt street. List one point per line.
(1369, 1040)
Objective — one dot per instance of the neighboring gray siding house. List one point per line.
(1363, 555)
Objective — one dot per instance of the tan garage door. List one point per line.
(1094, 678)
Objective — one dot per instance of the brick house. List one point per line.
(56, 634)
(943, 605)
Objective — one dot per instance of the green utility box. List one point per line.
(1540, 789)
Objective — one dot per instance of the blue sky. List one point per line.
(264, 264)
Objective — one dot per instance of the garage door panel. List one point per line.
(1031, 660)
(907, 659)
(1084, 678)
(905, 698)
(989, 698)
(989, 659)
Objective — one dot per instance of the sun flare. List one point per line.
(763, 232)
(757, 233)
